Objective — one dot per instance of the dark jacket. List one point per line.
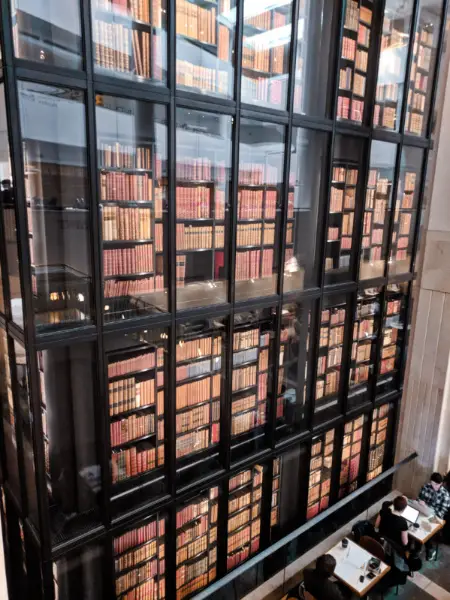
(321, 587)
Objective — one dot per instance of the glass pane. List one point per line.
(392, 64)
(48, 32)
(317, 22)
(381, 418)
(333, 325)
(356, 46)
(307, 180)
(244, 515)
(366, 328)
(375, 234)
(426, 38)
(68, 394)
(294, 368)
(253, 342)
(405, 215)
(205, 46)
(132, 158)
(351, 456)
(320, 468)
(393, 333)
(139, 560)
(80, 574)
(130, 39)
(136, 378)
(201, 347)
(265, 53)
(58, 204)
(261, 160)
(345, 195)
(197, 517)
(202, 207)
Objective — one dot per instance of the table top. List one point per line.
(352, 563)
(426, 530)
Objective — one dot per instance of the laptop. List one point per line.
(422, 508)
(411, 514)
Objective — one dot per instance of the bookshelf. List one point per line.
(320, 467)
(196, 542)
(366, 326)
(139, 561)
(202, 207)
(381, 418)
(377, 208)
(264, 65)
(276, 490)
(354, 60)
(129, 39)
(244, 515)
(351, 456)
(205, 46)
(392, 65)
(133, 192)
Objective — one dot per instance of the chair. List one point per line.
(373, 547)
(303, 593)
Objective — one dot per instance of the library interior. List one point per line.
(224, 299)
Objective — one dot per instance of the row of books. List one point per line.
(249, 339)
(197, 417)
(387, 91)
(191, 550)
(196, 392)
(244, 377)
(125, 261)
(254, 204)
(203, 78)
(136, 537)
(129, 394)
(190, 237)
(263, 89)
(204, 346)
(348, 108)
(136, 556)
(329, 386)
(136, 9)
(254, 233)
(192, 530)
(134, 461)
(198, 368)
(131, 428)
(340, 201)
(123, 156)
(253, 264)
(200, 169)
(126, 223)
(242, 423)
(140, 362)
(117, 186)
(345, 175)
(194, 202)
(135, 287)
(258, 174)
(320, 474)
(129, 580)
(196, 22)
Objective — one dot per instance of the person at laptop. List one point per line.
(392, 524)
(319, 582)
(436, 496)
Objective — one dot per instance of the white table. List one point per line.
(427, 529)
(352, 563)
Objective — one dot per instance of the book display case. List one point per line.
(209, 218)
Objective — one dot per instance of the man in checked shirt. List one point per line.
(437, 497)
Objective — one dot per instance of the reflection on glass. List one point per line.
(374, 246)
(139, 563)
(351, 456)
(265, 53)
(244, 515)
(132, 158)
(130, 39)
(355, 49)
(251, 385)
(136, 379)
(293, 380)
(331, 343)
(344, 196)
(58, 206)
(205, 46)
(307, 174)
(381, 418)
(79, 574)
(426, 38)
(202, 207)
(405, 215)
(197, 518)
(392, 64)
(200, 364)
(67, 408)
(316, 28)
(319, 487)
(261, 159)
(48, 32)
(366, 327)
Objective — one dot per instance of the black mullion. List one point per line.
(379, 346)
(347, 353)
(336, 464)
(374, 55)
(409, 60)
(407, 314)
(393, 203)
(4, 265)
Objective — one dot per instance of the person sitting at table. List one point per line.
(446, 530)
(435, 495)
(318, 581)
(391, 524)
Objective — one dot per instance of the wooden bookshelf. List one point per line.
(319, 487)
(351, 456)
(196, 523)
(276, 489)
(139, 561)
(404, 220)
(378, 439)
(354, 60)
(331, 343)
(425, 39)
(392, 337)
(244, 515)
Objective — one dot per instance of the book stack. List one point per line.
(139, 562)
(321, 462)
(126, 223)
(196, 525)
(244, 510)
(351, 456)
(332, 328)
(125, 43)
(380, 421)
(254, 264)
(276, 488)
